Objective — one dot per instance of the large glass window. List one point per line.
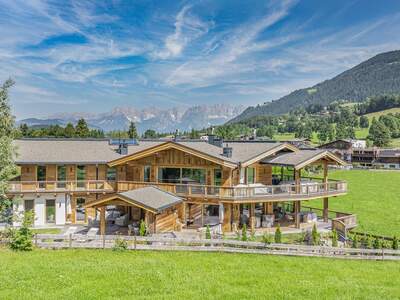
(81, 175)
(50, 211)
(147, 174)
(80, 209)
(193, 176)
(41, 176)
(217, 177)
(250, 175)
(169, 175)
(111, 174)
(61, 176)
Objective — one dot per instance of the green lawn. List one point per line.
(104, 274)
(374, 196)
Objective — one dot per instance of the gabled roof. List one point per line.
(302, 158)
(149, 198)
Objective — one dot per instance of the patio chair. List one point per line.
(122, 221)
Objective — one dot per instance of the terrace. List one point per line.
(308, 188)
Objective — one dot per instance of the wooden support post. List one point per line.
(103, 220)
(252, 217)
(297, 214)
(326, 175)
(202, 215)
(297, 180)
(325, 211)
(236, 216)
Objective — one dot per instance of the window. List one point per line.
(193, 176)
(250, 175)
(147, 174)
(61, 176)
(169, 175)
(51, 211)
(111, 174)
(29, 205)
(217, 177)
(41, 176)
(80, 211)
(80, 176)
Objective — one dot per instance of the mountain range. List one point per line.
(161, 120)
(375, 76)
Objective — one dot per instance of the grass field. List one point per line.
(104, 274)
(374, 196)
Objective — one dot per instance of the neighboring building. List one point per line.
(170, 185)
(343, 148)
(387, 159)
(364, 156)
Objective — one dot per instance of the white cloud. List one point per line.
(187, 28)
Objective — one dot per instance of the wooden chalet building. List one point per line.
(171, 185)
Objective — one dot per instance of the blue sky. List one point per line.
(90, 56)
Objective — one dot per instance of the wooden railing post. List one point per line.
(36, 239)
(104, 241)
(70, 240)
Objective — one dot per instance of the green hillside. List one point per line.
(376, 76)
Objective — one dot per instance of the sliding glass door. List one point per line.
(50, 211)
(61, 176)
(80, 176)
(41, 176)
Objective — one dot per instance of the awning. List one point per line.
(302, 158)
(149, 198)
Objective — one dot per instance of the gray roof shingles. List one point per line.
(91, 151)
(293, 158)
(151, 197)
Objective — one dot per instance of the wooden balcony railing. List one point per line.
(286, 191)
(305, 190)
(61, 186)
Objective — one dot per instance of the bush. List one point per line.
(315, 235)
(278, 235)
(355, 243)
(120, 244)
(395, 243)
(21, 239)
(244, 232)
(377, 243)
(208, 233)
(334, 238)
(369, 243)
(267, 238)
(142, 228)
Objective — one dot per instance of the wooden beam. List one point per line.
(325, 211)
(297, 213)
(252, 217)
(103, 220)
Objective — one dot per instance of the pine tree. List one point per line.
(7, 151)
(315, 235)
(334, 238)
(244, 232)
(82, 129)
(24, 129)
(132, 132)
(379, 133)
(278, 235)
(208, 233)
(395, 243)
(69, 130)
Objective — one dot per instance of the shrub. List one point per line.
(142, 228)
(377, 243)
(355, 243)
(21, 239)
(395, 243)
(369, 244)
(120, 244)
(334, 238)
(267, 238)
(208, 233)
(278, 235)
(315, 235)
(244, 232)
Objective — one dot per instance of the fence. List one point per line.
(52, 241)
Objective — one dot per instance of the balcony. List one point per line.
(246, 193)
(19, 187)
(240, 193)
